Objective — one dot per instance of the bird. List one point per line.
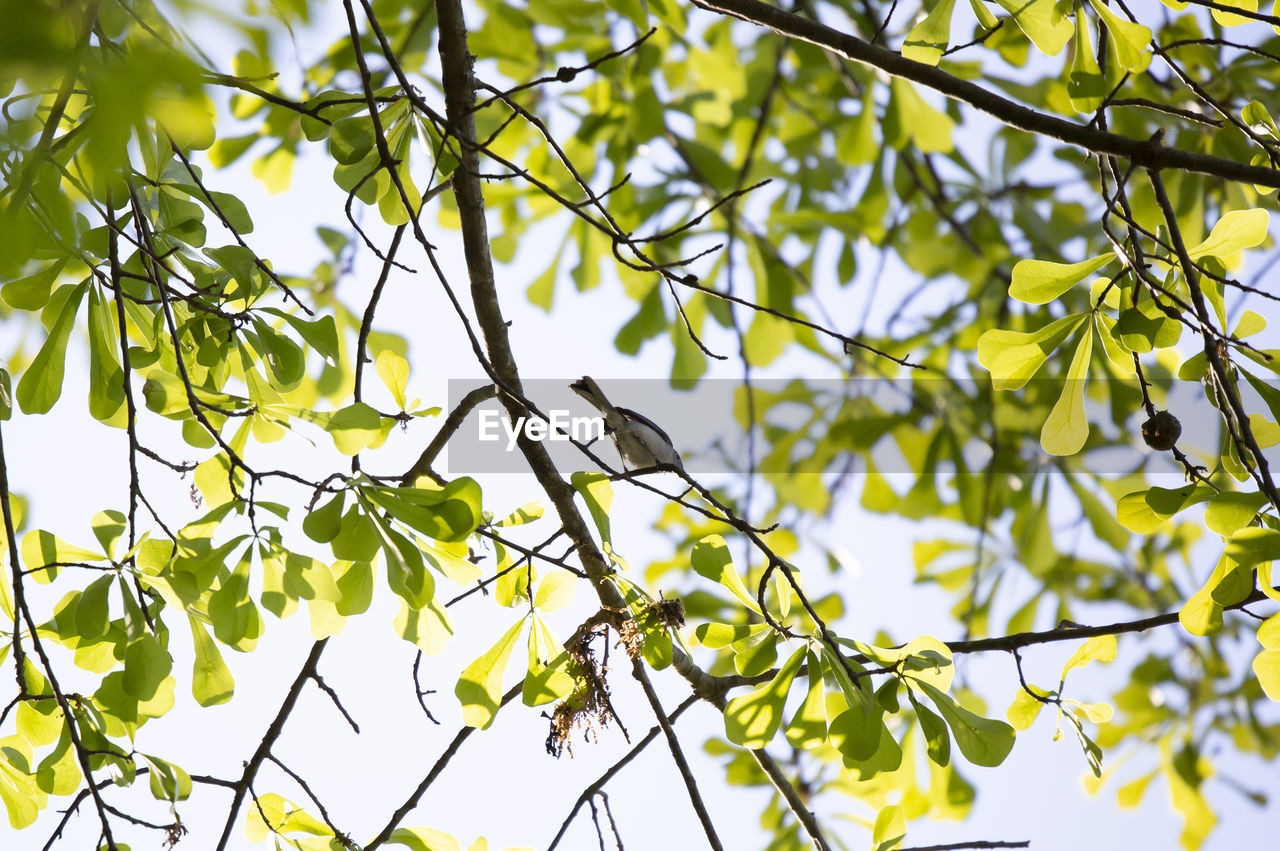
(639, 440)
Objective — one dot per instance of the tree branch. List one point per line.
(1142, 152)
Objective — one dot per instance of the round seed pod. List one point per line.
(1162, 431)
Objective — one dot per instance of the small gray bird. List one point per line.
(639, 440)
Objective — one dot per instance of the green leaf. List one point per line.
(1253, 545)
(856, 142)
(1067, 427)
(1230, 511)
(168, 782)
(983, 741)
(1228, 584)
(1092, 753)
(1266, 667)
(59, 772)
(93, 613)
(549, 675)
(351, 139)
(448, 513)
(890, 828)
(597, 493)
(555, 591)
(711, 558)
(451, 560)
(1129, 40)
(928, 39)
(937, 741)
(909, 117)
(146, 664)
(41, 383)
(479, 689)
(858, 732)
(284, 357)
(808, 726)
(353, 428)
(753, 719)
(1099, 648)
(758, 653)
(1228, 19)
(1025, 708)
(1040, 281)
(356, 586)
(234, 616)
(1259, 119)
(394, 372)
(423, 839)
(23, 798)
(1144, 327)
(720, 635)
(1145, 511)
(211, 680)
(32, 292)
(108, 527)
(526, 513)
(1250, 323)
(1013, 358)
(6, 396)
(1087, 87)
(323, 524)
(428, 626)
(1043, 21)
(984, 15)
(40, 548)
(1234, 232)
(320, 334)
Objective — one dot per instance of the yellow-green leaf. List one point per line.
(1067, 427)
(1013, 357)
(753, 719)
(1099, 648)
(1129, 40)
(1234, 232)
(928, 39)
(1266, 666)
(394, 372)
(479, 689)
(1040, 281)
(1043, 21)
(711, 558)
(890, 828)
